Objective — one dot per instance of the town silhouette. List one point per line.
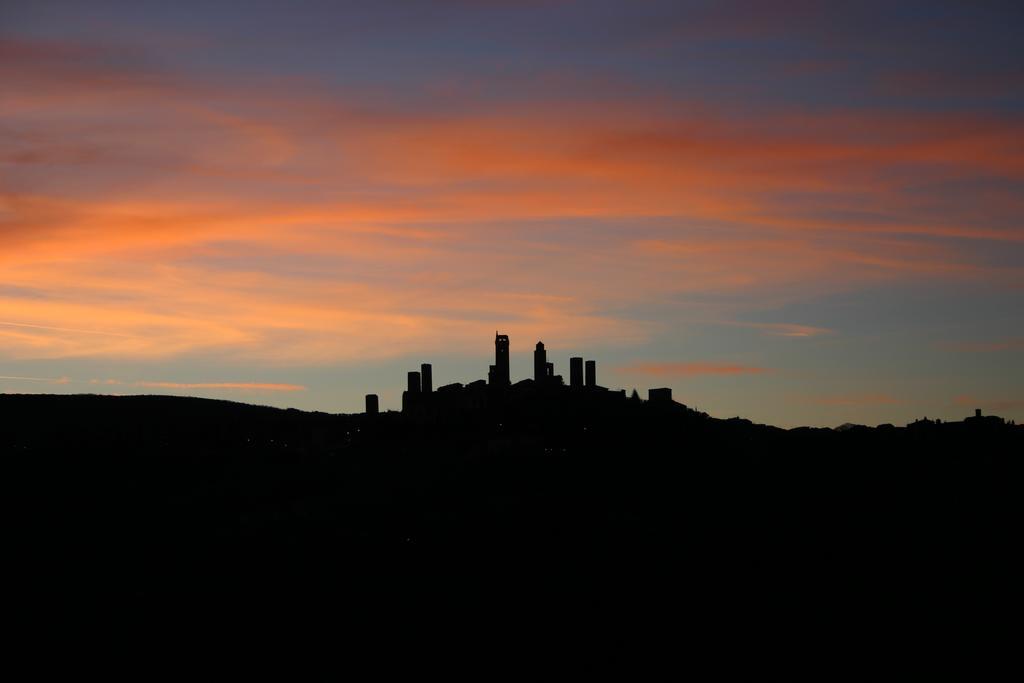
(503, 496)
(541, 394)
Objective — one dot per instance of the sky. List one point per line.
(801, 213)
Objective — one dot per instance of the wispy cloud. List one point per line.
(783, 329)
(47, 380)
(392, 223)
(995, 404)
(857, 399)
(62, 329)
(689, 369)
(985, 347)
(243, 386)
(232, 386)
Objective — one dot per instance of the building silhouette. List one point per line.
(426, 378)
(540, 363)
(576, 372)
(372, 404)
(499, 372)
(497, 392)
(660, 395)
(411, 395)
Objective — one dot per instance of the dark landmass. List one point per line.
(557, 503)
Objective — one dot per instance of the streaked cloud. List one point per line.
(783, 329)
(242, 386)
(231, 386)
(985, 347)
(856, 399)
(394, 218)
(689, 369)
(61, 329)
(988, 403)
(47, 380)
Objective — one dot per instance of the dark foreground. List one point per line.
(558, 514)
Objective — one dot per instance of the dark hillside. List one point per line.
(152, 500)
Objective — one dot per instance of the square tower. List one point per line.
(501, 373)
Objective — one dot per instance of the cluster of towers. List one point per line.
(543, 371)
(421, 382)
(582, 374)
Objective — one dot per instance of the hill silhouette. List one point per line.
(595, 507)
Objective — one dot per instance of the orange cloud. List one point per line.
(152, 216)
(784, 329)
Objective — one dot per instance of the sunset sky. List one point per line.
(795, 212)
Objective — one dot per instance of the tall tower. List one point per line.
(501, 374)
(426, 378)
(591, 373)
(576, 372)
(540, 363)
(411, 396)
